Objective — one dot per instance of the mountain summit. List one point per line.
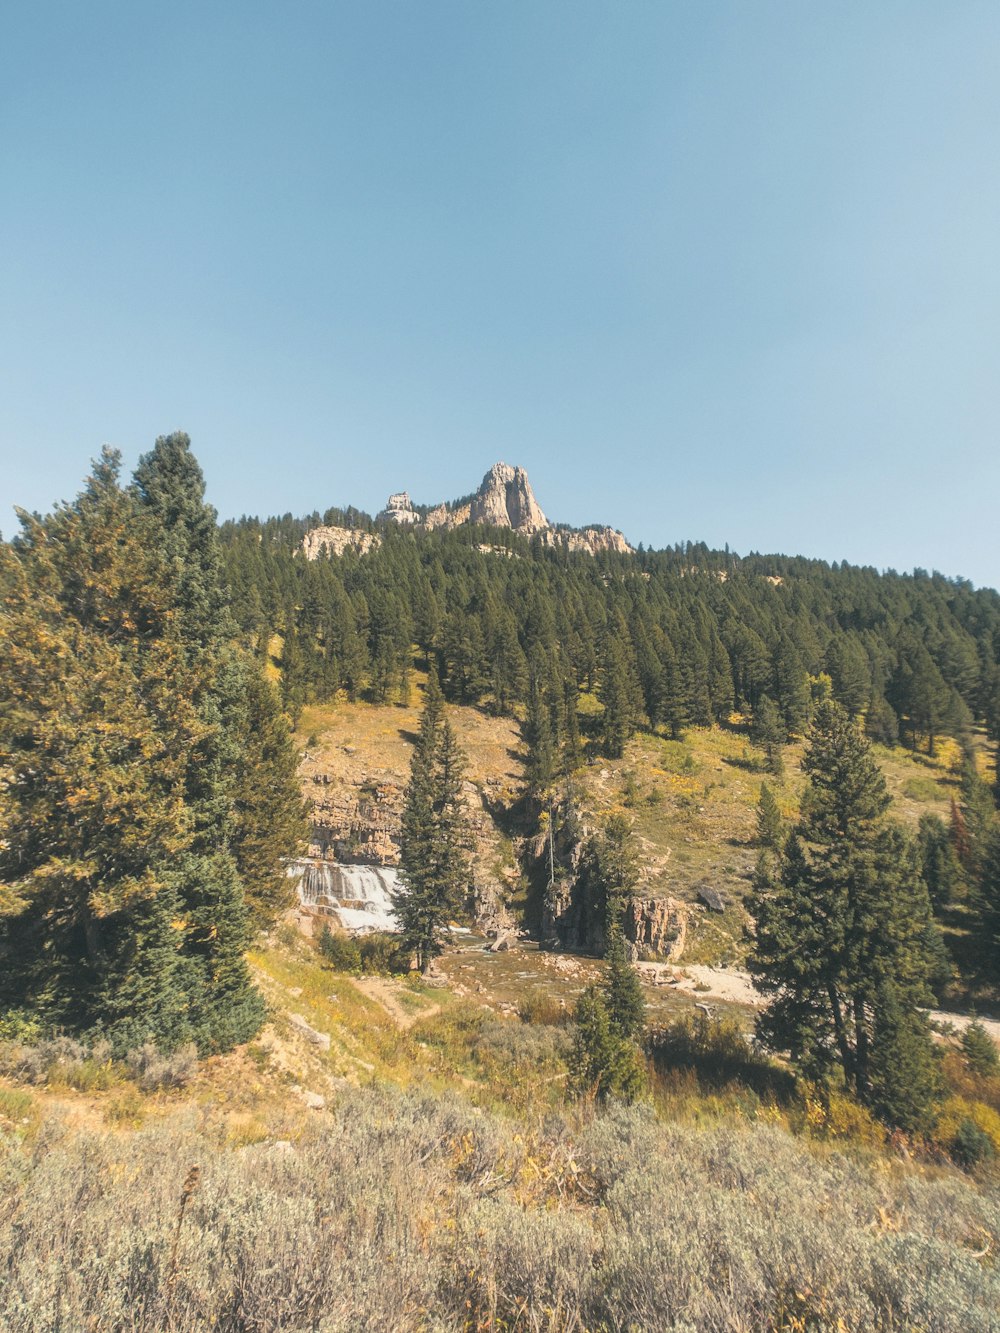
(504, 500)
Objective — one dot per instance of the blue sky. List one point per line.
(726, 272)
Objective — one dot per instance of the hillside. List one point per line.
(217, 1110)
(283, 1178)
(692, 803)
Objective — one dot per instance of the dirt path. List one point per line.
(720, 983)
(384, 993)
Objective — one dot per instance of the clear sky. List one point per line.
(718, 271)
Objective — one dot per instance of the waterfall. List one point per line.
(360, 897)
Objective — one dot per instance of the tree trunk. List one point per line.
(846, 1056)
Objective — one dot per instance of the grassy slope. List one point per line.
(693, 801)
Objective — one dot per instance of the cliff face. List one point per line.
(335, 541)
(504, 500)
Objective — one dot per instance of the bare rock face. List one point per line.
(505, 500)
(400, 509)
(656, 925)
(335, 541)
(592, 540)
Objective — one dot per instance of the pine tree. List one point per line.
(95, 728)
(979, 814)
(842, 915)
(433, 842)
(220, 773)
(268, 821)
(988, 897)
(939, 867)
(770, 826)
(540, 762)
(791, 686)
(904, 1075)
(980, 1050)
(623, 996)
(768, 731)
(603, 1063)
(618, 692)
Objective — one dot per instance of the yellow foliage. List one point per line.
(957, 1109)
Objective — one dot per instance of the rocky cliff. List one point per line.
(504, 500)
(335, 541)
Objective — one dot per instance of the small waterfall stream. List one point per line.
(360, 897)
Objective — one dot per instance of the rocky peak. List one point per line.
(505, 500)
(400, 509)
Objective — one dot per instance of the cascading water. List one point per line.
(360, 897)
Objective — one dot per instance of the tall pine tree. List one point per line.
(843, 915)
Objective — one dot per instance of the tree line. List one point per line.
(666, 639)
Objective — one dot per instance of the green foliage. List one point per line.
(971, 1145)
(939, 868)
(904, 1079)
(433, 843)
(842, 930)
(623, 996)
(491, 1221)
(342, 952)
(768, 730)
(980, 1051)
(153, 785)
(770, 825)
(604, 1062)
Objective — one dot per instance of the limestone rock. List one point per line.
(335, 541)
(400, 509)
(320, 1039)
(505, 500)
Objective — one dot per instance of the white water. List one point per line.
(360, 897)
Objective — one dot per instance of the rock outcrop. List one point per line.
(335, 541)
(504, 500)
(400, 509)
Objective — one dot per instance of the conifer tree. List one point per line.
(95, 726)
(768, 731)
(904, 1076)
(618, 692)
(980, 1050)
(603, 1063)
(841, 916)
(229, 796)
(572, 753)
(770, 826)
(611, 1017)
(979, 815)
(623, 996)
(939, 867)
(540, 765)
(433, 844)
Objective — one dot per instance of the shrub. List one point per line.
(61, 1062)
(544, 1010)
(958, 1110)
(342, 952)
(979, 1051)
(154, 1070)
(718, 1050)
(971, 1145)
(619, 1222)
(380, 953)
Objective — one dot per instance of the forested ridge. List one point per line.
(675, 637)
